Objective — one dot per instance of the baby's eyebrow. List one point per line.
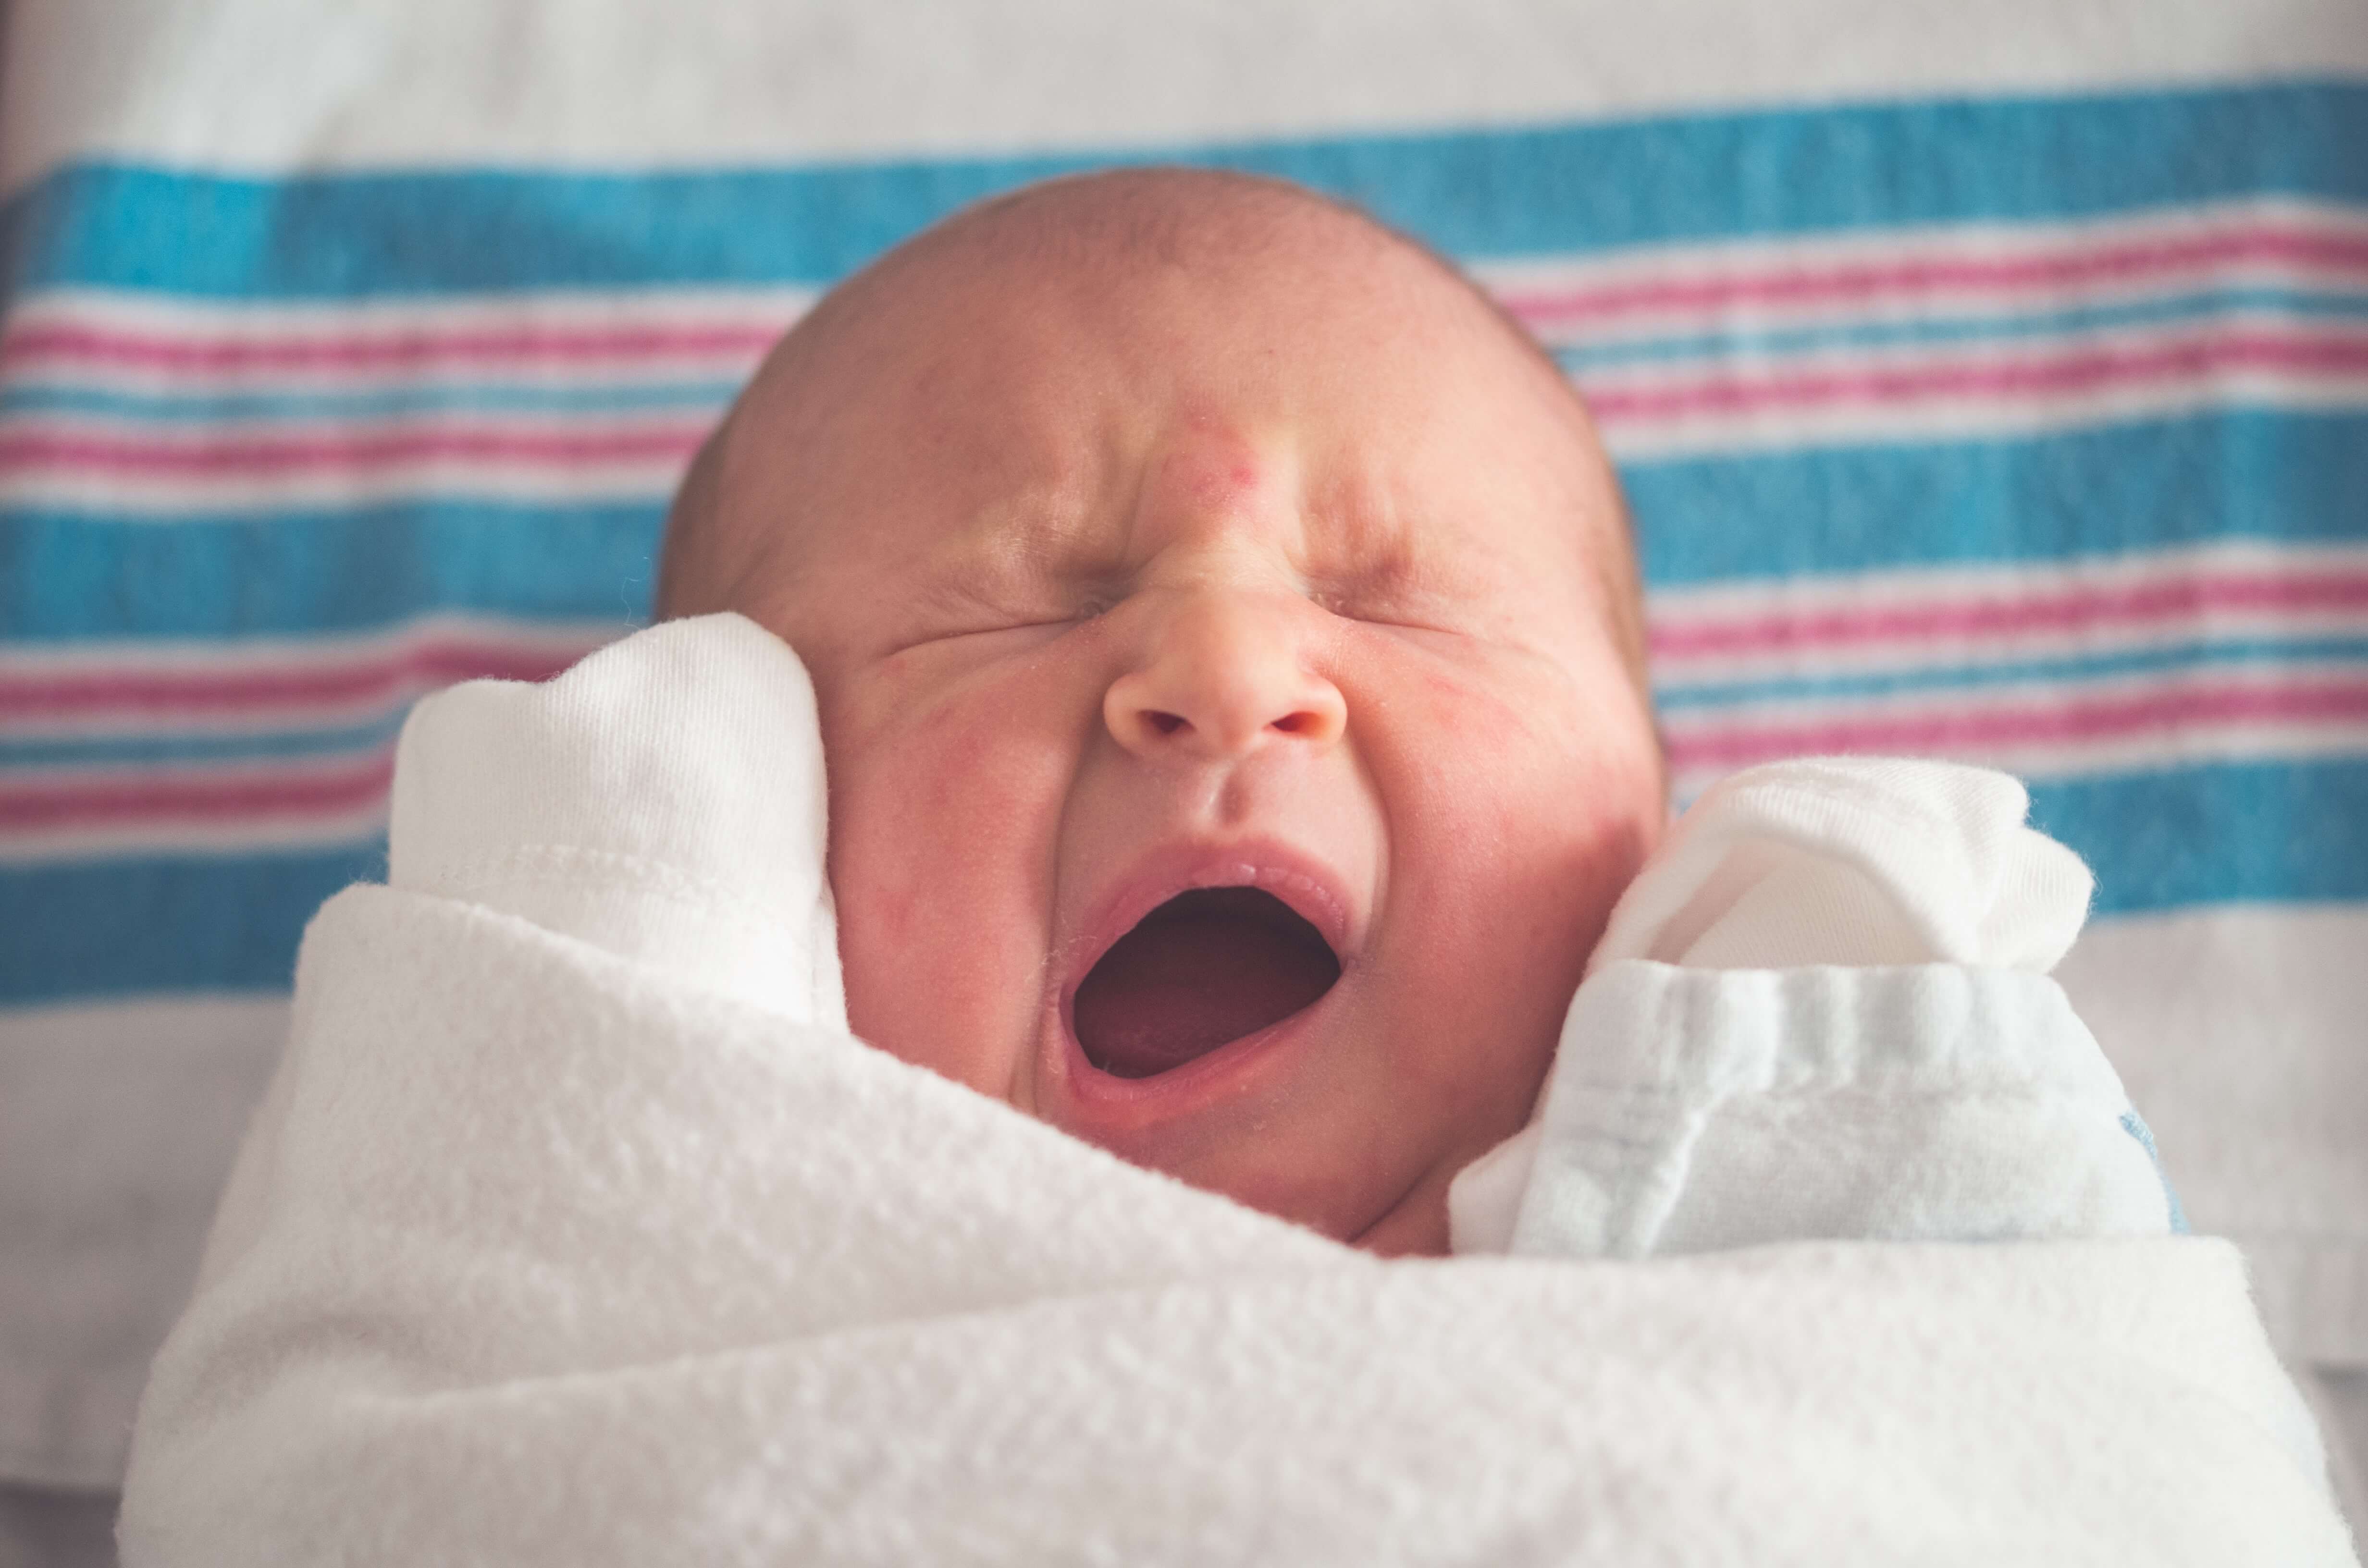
(1025, 552)
(1364, 545)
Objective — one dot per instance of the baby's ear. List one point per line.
(664, 799)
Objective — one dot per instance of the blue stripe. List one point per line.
(2304, 309)
(134, 750)
(32, 396)
(200, 924)
(64, 577)
(2135, 1125)
(29, 397)
(2144, 485)
(2299, 478)
(2270, 653)
(2259, 654)
(443, 391)
(2226, 833)
(1481, 194)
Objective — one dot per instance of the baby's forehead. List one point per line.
(988, 347)
(1272, 261)
(1315, 318)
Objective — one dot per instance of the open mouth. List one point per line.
(1203, 970)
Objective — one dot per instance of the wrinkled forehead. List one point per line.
(992, 403)
(1016, 360)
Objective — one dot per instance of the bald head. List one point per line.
(1110, 225)
(1152, 521)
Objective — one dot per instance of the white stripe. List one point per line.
(308, 654)
(276, 84)
(2040, 762)
(1829, 409)
(340, 829)
(552, 309)
(2165, 741)
(1874, 421)
(1742, 264)
(640, 482)
(328, 655)
(215, 348)
(1680, 613)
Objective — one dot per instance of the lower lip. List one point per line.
(1196, 1082)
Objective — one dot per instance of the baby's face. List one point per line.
(1281, 574)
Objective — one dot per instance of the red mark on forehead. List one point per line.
(1211, 467)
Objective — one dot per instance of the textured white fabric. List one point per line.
(1709, 1109)
(1854, 860)
(541, 1252)
(663, 799)
(2239, 1031)
(623, 82)
(1861, 1042)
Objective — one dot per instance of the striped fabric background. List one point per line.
(2027, 431)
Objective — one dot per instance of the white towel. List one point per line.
(551, 1246)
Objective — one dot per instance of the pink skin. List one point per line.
(1120, 576)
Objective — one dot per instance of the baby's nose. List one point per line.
(1222, 678)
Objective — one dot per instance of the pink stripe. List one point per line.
(2316, 592)
(329, 791)
(1854, 282)
(321, 793)
(2076, 370)
(2075, 263)
(1980, 731)
(2073, 370)
(235, 458)
(397, 676)
(411, 349)
(423, 665)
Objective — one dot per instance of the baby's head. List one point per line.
(1227, 643)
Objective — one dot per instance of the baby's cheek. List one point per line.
(1468, 713)
(1525, 814)
(940, 832)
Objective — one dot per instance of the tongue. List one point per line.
(1204, 967)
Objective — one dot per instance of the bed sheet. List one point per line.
(1988, 383)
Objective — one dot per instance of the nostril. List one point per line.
(1296, 723)
(1166, 723)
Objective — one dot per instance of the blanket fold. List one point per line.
(541, 1253)
(558, 1261)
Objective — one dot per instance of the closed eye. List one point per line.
(1043, 630)
(1387, 618)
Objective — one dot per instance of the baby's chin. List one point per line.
(1416, 1226)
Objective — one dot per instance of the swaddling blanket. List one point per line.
(578, 1230)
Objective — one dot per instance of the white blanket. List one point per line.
(576, 1229)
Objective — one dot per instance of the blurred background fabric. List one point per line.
(1989, 382)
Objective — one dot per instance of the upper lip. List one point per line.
(1310, 888)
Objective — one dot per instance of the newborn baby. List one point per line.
(1221, 656)
(1227, 639)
